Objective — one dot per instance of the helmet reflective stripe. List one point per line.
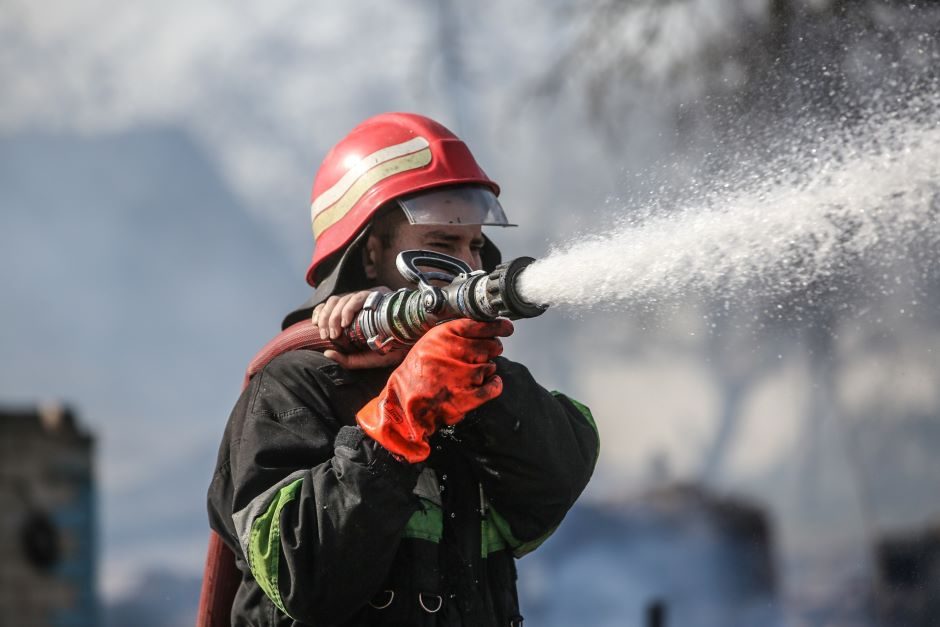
(330, 206)
(334, 193)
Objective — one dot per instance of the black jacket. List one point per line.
(338, 532)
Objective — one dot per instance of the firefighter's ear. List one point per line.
(371, 254)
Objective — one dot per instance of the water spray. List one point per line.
(855, 205)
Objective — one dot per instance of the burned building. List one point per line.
(47, 520)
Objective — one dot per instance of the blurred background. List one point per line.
(155, 169)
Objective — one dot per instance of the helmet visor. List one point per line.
(454, 205)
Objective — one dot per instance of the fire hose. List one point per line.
(395, 320)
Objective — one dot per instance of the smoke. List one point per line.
(257, 86)
(264, 89)
(851, 199)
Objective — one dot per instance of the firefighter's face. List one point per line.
(463, 241)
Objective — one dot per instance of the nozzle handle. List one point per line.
(408, 261)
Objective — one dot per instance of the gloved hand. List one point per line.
(448, 372)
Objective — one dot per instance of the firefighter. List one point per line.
(397, 489)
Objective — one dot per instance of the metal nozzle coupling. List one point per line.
(400, 318)
(502, 292)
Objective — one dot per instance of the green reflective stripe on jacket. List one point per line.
(264, 547)
(519, 548)
(427, 523)
(492, 540)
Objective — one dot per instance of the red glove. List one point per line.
(448, 372)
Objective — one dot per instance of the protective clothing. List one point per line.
(329, 528)
(385, 157)
(447, 373)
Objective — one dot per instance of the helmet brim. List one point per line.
(459, 204)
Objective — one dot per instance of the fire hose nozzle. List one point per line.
(503, 292)
(400, 318)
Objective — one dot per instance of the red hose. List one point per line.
(220, 580)
(302, 335)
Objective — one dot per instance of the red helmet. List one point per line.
(387, 156)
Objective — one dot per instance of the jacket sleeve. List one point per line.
(534, 452)
(316, 509)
